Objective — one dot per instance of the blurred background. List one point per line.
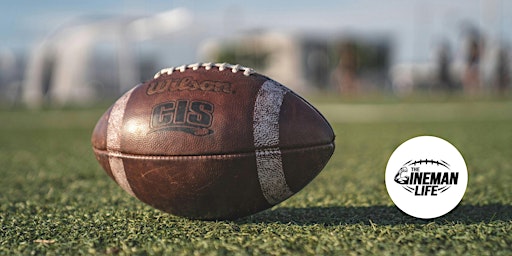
(80, 53)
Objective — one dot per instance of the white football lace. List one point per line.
(222, 66)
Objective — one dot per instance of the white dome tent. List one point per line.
(58, 68)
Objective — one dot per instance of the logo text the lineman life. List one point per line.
(426, 177)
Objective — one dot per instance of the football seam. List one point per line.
(118, 154)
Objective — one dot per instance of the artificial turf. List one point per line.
(55, 198)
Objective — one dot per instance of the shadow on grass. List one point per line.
(380, 215)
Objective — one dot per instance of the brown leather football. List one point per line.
(212, 141)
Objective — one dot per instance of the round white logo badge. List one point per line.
(426, 177)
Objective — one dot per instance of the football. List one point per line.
(212, 141)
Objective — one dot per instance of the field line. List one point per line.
(416, 112)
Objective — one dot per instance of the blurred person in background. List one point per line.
(502, 80)
(345, 74)
(471, 78)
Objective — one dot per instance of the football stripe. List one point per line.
(266, 140)
(117, 167)
(115, 123)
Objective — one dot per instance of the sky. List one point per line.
(416, 27)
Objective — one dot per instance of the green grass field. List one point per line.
(55, 198)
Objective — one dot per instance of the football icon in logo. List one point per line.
(426, 177)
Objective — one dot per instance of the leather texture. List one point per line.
(187, 143)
